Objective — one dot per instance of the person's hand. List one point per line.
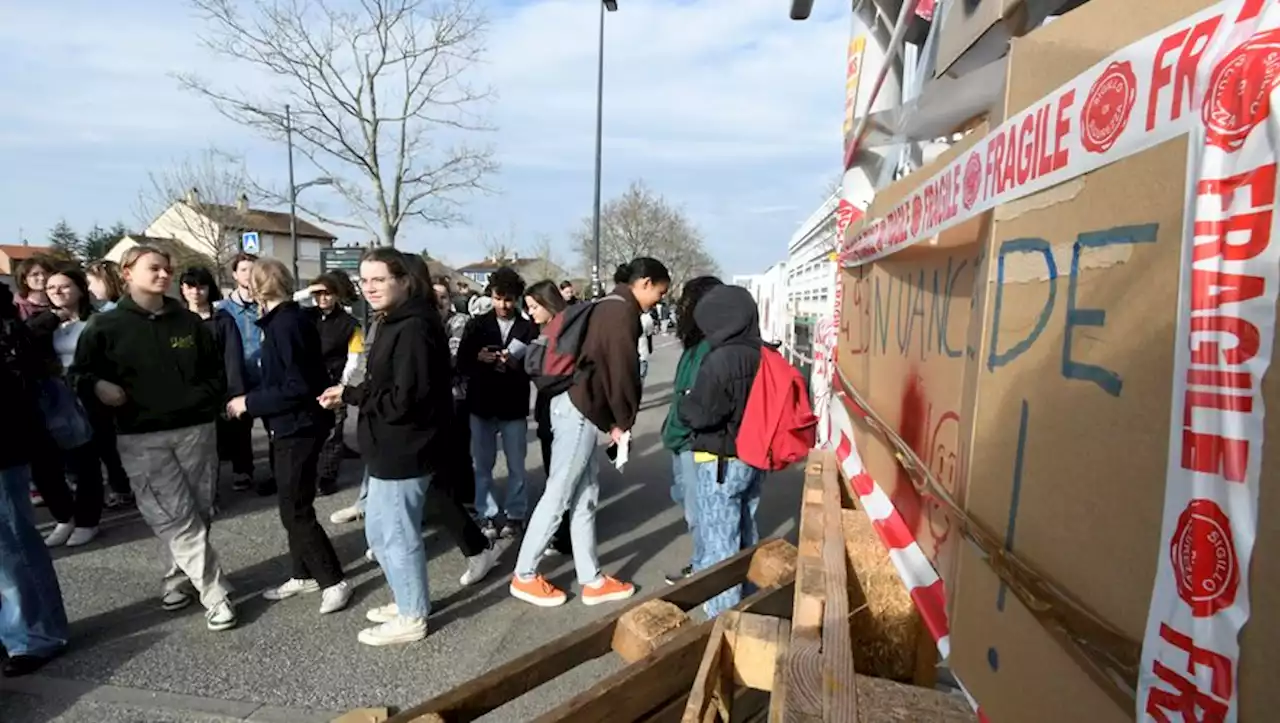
(487, 357)
(316, 289)
(236, 407)
(331, 398)
(109, 394)
(64, 314)
(615, 434)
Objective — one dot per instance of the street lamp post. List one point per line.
(293, 192)
(611, 6)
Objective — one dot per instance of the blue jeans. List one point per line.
(573, 486)
(726, 522)
(484, 449)
(32, 618)
(393, 529)
(684, 487)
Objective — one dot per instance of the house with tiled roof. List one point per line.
(13, 254)
(532, 268)
(218, 231)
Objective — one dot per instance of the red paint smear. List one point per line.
(912, 430)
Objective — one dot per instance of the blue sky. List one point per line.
(726, 107)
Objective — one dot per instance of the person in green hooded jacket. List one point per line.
(677, 437)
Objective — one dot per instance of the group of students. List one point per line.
(174, 382)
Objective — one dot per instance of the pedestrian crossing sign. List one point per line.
(249, 242)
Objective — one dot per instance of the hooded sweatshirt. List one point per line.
(713, 408)
(675, 435)
(167, 362)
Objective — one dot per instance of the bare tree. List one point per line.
(379, 98)
(544, 265)
(642, 223)
(500, 245)
(189, 200)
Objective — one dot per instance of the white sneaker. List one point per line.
(293, 587)
(346, 514)
(82, 536)
(335, 598)
(383, 613)
(478, 566)
(396, 630)
(221, 617)
(174, 600)
(61, 533)
(368, 555)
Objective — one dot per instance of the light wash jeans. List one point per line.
(726, 522)
(393, 529)
(573, 486)
(684, 488)
(32, 618)
(484, 449)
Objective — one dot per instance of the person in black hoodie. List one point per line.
(201, 293)
(405, 410)
(490, 359)
(33, 621)
(341, 343)
(728, 490)
(159, 368)
(293, 377)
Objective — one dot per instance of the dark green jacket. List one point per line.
(167, 362)
(675, 435)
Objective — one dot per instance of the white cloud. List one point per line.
(725, 106)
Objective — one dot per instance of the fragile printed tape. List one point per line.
(1212, 76)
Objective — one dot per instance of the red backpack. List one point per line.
(778, 426)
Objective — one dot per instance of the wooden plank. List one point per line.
(643, 629)
(839, 686)
(643, 688)
(926, 675)
(514, 678)
(363, 715)
(803, 694)
(709, 681)
(754, 642)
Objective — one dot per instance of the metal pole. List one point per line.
(595, 222)
(293, 195)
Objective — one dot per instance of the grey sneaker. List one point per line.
(221, 617)
(175, 600)
(293, 587)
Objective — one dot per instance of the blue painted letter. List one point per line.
(1021, 245)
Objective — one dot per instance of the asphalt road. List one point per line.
(131, 661)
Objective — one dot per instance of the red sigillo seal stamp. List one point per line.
(1239, 96)
(917, 214)
(1203, 554)
(972, 179)
(1106, 109)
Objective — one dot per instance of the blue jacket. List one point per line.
(293, 375)
(246, 316)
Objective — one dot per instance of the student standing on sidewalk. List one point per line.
(677, 437)
(33, 622)
(543, 302)
(728, 489)
(293, 377)
(605, 397)
(107, 287)
(246, 312)
(157, 366)
(341, 344)
(405, 409)
(498, 400)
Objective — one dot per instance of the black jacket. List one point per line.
(713, 408)
(166, 361)
(494, 393)
(336, 329)
(21, 424)
(406, 399)
(225, 334)
(293, 375)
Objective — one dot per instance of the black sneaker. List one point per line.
(118, 501)
(673, 578)
(268, 488)
(326, 487)
(489, 528)
(513, 528)
(242, 482)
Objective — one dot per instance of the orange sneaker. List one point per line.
(606, 589)
(537, 592)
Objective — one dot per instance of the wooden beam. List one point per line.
(514, 678)
(839, 685)
(708, 683)
(802, 696)
(643, 629)
(754, 642)
(643, 688)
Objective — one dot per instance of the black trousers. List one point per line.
(310, 550)
(104, 441)
(235, 440)
(460, 525)
(49, 468)
(334, 448)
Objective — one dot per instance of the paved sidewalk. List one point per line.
(131, 661)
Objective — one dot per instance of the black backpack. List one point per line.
(552, 359)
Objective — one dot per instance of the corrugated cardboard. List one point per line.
(976, 32)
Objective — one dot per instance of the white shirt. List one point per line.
(504, 328)
(646, 331)
(65, 338)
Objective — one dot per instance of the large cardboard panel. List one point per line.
(912, 327)
(977, 28)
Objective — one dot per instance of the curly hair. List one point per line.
(694, 290)
(506, 282)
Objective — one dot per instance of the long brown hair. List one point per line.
(109, 273)
(548, 296)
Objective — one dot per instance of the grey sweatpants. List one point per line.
(174, 475)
